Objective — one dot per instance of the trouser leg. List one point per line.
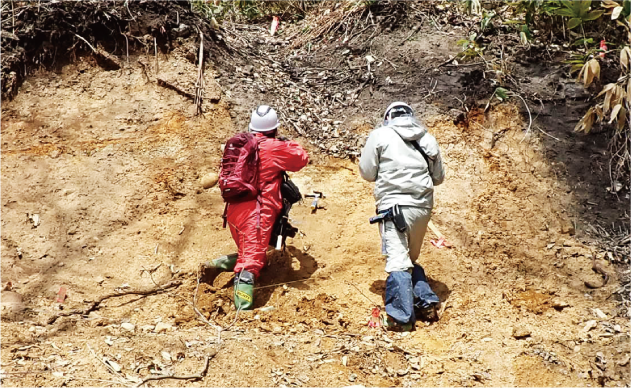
(399, 294)
(423, 295)
(399, 297)
(402, 250)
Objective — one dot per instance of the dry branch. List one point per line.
(95, 305)
(179, 91)
(198, 376)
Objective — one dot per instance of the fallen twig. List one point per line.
(446, 62)
(179, 91)
(198, 376)
(414, 30)
(109, 367)
(95, 305)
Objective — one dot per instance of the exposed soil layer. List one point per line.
(111, 164)
(49, 35)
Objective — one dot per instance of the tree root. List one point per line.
(96, 304)
(179, 91)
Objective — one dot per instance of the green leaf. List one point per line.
(565, 12)
(582, 42)
(574, 22)
(568, 4)
(593, 15)
(501, 94)
(576, 67)
(583, 7)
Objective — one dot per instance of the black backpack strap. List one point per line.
(420, 149)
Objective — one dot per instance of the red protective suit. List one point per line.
(275, 156)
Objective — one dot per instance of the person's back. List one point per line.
(400, 174)
(404, 162)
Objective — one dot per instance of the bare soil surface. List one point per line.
(111, 164)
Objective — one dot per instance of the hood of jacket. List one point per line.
(409, 128)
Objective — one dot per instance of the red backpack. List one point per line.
(238, 176)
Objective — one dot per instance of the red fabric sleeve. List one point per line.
(289, 156)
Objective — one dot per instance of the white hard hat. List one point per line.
(264, 119)
(397, 109)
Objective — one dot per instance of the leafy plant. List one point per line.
(536, 8)
(470, 48)
(578, 12)
(615, 108)
(485, 22)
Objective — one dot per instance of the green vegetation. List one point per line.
(595, 37)
(252, 10)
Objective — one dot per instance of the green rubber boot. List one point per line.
(244, 290)
(392, 325)
(221, 264)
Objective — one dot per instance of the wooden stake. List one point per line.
(155, 50)
(199, 85)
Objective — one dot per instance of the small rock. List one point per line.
(162, 327)
(402, 372)
(128, 326)
(209, 180)
(521, 332)
(352, 377)
(61, 264)
(147, 328)
(58, 374)
(345, 360)
(166, 355)
(108, 340)
(590, 325)
(559, 304)
(114, 365)
(599, 314)
(617, 328)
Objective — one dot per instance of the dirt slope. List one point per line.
(111, 163)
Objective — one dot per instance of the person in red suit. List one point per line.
(251, 222)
